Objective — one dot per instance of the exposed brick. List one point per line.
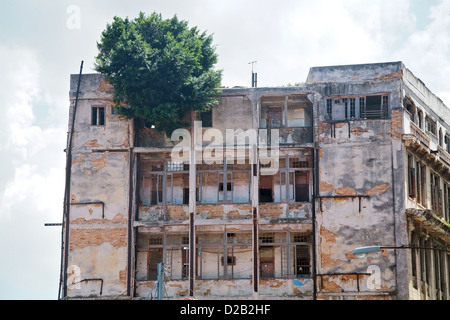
(81, 238)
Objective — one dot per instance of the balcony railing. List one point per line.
(443, 155)
(420, 135)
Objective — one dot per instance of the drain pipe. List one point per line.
(315, 161)
(65, 223)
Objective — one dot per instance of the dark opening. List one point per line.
(265, 189)
(206, 118)
(373, 107)
(301, 186)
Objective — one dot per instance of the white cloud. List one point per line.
(285, 37)
(32, 170)
(427, 52)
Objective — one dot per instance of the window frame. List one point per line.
(98, 115)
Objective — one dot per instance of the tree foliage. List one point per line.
(160, 69)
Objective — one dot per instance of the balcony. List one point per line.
(418, 137)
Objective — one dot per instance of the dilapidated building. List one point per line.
(287, 182)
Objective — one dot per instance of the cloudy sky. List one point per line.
(43, 42)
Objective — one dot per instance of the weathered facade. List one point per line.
(287, 182)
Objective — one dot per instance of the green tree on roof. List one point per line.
(160, 69)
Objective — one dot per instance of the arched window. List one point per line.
(420, 119)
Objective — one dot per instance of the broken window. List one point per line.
(409, 105)
(223, 255)
(368, 107)
(98, 116)
(292, 111)
(266, 188)
(151, 189)
(376, 107)
(149, 255)
(272, 117)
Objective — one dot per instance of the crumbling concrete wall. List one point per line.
(98, 232)
(359, 182)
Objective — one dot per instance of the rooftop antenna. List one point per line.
(254, 75)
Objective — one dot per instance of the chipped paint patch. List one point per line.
(98, 163)
(92, 143)
(377, 190)
(324, 187)
(299, 283)
(346, 191)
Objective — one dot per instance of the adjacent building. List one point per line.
(287, 182)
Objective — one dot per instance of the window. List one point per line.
(418, 183)
(98, 116)
(266, 189)
(344, 101)
(420, 119)
(430, 125)
(296, 117)
(436, 194)
(409, 105)
(293, 111)
(411, 177)
(368, 107)
(329, 108)
(302, 261)
(362, 107)
(423, 181)
(413, 253)
(273, 117)
(376, 107)
(175, 166)
(151, 189)
(446, 202)
(352, 108)
(447, 141)
(301, 186)
(206, 118)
